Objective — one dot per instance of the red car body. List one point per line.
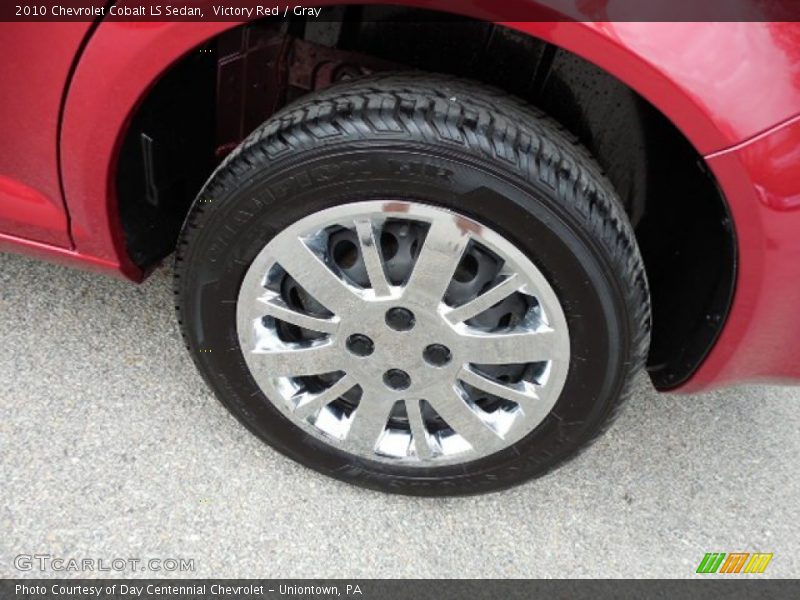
(732, 89)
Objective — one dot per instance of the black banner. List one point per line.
(374, 589)
(326, 10)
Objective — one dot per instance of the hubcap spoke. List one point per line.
(466, 422)
(512, 347)
(522, 393)
(372, 257)
(275, 307)
(438, 259)
(309, 404)
(419, 436)
(368, 423)
(486, 300)
(316, 277)
(296, 362)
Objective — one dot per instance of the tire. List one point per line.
(446, 147)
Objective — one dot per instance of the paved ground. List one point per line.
(112, 447)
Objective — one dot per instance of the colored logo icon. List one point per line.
(735, 562)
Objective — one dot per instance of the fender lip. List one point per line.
(759, 339)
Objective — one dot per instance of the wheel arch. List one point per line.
(124, 61)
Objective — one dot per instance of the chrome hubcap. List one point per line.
(403, 333)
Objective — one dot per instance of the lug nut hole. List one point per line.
(397, 379)
(437, 355)
(360, 345)
(400, 319)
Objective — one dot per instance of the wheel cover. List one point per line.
(404, 333)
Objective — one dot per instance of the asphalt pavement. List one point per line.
(112, 447)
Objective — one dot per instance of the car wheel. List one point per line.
(416, 284)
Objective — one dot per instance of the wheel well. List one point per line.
(205, 104)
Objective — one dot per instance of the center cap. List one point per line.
(399, 347)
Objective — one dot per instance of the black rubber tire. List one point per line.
(446, 142)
